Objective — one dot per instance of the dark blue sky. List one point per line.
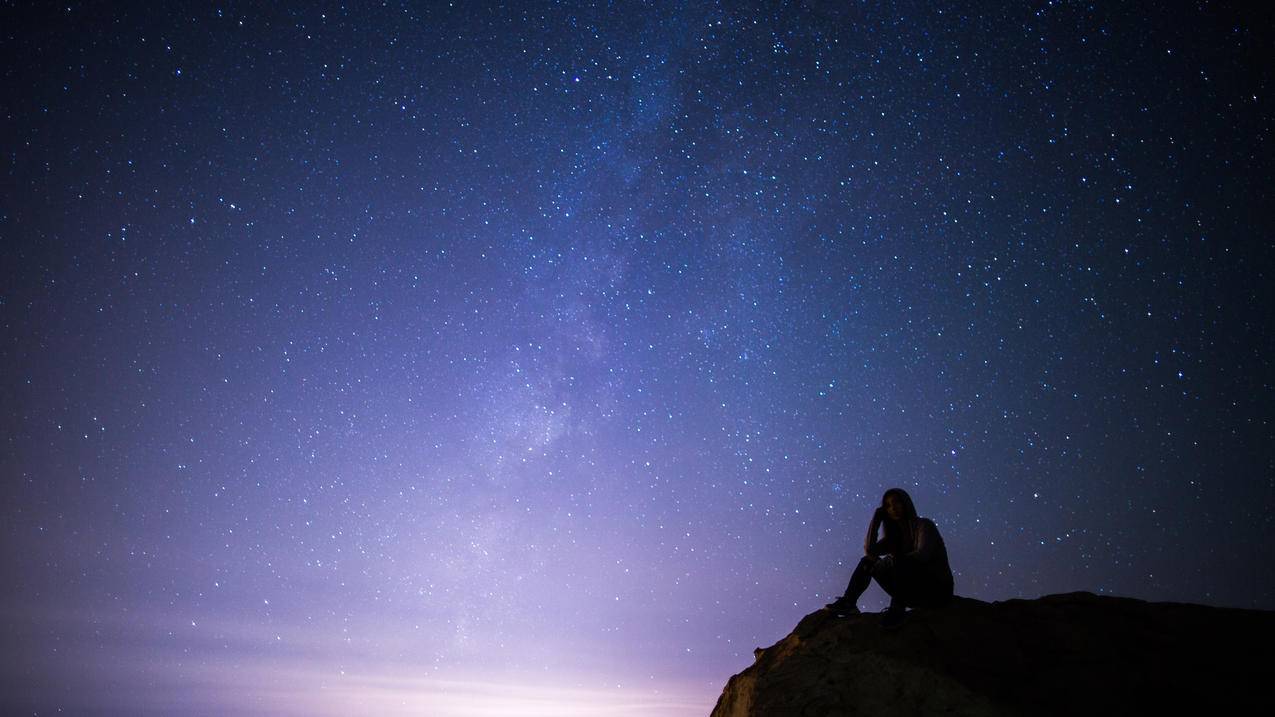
(546, 358)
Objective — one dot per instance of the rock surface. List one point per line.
(1070, 654)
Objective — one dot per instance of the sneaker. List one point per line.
(842, 606)
(893, 618)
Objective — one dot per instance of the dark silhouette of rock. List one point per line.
(1071, 654)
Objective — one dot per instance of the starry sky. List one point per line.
(546, 358)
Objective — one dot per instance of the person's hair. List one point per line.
(899, 534)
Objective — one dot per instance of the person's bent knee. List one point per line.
(881, 567)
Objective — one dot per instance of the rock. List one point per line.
(1070, 654)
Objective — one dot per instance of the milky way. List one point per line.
(464, 359)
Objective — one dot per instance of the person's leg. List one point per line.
(899, 582)
(893, 580)
(859, 581)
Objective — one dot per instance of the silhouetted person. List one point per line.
(909, 562)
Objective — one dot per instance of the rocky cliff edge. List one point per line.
(1070, 654)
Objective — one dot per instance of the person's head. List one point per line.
(898, 504)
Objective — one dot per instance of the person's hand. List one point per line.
(879, 514)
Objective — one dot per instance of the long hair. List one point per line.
(900, 534)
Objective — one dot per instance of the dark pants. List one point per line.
(905, 583)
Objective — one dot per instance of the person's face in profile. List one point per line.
(894, 507)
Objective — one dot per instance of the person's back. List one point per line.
(931, 553)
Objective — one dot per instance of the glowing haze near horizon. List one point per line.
(545, 359)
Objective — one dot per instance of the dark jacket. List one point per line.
(915, 543)
(929, 553)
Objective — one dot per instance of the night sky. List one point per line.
(546, 358)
